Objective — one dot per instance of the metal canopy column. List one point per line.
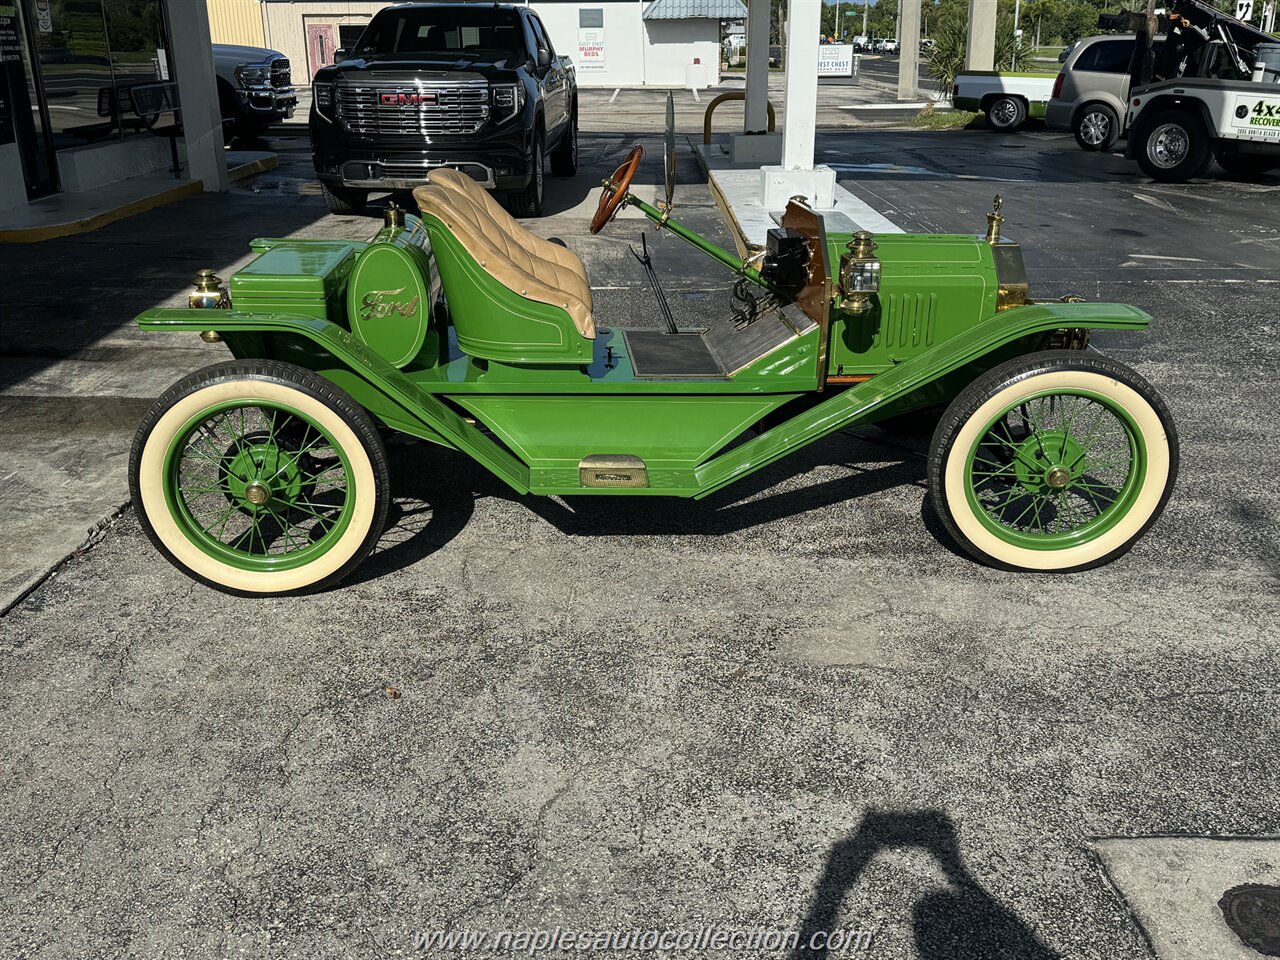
(981, 51)
(800, 96)
(198, 93)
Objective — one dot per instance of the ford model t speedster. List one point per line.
(267, 473)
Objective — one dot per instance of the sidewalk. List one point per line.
(76, 375)
(67, 214)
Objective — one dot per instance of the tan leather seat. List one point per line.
(521, 261)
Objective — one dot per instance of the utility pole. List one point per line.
(865, 6)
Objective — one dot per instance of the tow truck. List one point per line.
(1212, 92)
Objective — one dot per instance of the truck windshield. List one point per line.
(456, 33)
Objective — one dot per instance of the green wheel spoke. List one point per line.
(228, 446)
(1085, 434)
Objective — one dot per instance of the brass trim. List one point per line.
(994, 220)
(850, 378)
(210, 336)
(612, 470)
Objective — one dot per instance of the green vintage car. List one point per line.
(267, 473)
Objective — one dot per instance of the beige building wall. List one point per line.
(236, 21)
(286, 27)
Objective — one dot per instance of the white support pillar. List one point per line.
(800, 96)
(198, 93)
(981, 51)
(757, 112)
(909, 51)
(755, 145)
(797, 174)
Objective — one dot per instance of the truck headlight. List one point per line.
(322, 94)
(508, 100)
(251, 75)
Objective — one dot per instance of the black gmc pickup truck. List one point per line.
(476, 87)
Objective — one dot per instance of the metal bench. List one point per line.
(149, 102)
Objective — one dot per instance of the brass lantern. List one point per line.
(859, 273)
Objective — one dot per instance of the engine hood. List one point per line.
(410, 68)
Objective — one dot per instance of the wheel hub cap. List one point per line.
(1048, 461)
(1169, 145)
(257, 493)
(263, 473)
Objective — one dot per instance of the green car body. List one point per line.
(511, 383)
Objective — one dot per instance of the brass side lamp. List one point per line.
(859, 273)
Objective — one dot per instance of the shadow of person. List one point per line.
(962, 922)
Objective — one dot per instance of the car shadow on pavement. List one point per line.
(961, 922)
(434, 491)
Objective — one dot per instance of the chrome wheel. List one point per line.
(1004, 113)
(1095, 128)
(1168, 145)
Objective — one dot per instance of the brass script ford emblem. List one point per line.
(378, 304)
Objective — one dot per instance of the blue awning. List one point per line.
(695, 10)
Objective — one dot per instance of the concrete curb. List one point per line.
(98, 220)
(253, 168)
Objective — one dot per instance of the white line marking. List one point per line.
(617, 91)
(695, 94)
(1155, 256)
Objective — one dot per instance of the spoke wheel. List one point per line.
(1059, 461)
(260, 477)
(279, 493)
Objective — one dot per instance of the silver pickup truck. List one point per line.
(255, 89)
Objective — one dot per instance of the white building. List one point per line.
(72, 77)
(613, 43)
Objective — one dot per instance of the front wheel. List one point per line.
(344, 201)
(1058, 461)
(1006, 113)
(260, 477)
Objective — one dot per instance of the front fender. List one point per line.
(370, 379)
(976, 348)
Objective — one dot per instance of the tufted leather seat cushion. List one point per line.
(521, 261)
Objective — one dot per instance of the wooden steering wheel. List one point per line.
(615, 189)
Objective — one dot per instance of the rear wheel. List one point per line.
(528, 202)
(1096, 127)
(1173, 147)
(343, 201)
(564, 158)
(1006, 113)
(1248, 165)
(260, 477)
(1057, 461)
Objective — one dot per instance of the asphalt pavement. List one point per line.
(792, 705)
